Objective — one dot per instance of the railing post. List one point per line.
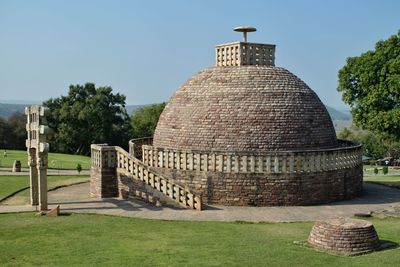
(103, 176)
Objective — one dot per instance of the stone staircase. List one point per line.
(109, 160)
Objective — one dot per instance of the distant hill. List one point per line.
(338, 115)
(6, 110)
(132, 108)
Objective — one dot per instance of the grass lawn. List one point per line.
(10, 184)
(389, 180)
(369, 170)
(95, 240)
(56, 160)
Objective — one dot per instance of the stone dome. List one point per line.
(245, 108)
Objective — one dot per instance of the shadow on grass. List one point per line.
(386, 245)
(383, 245)
(65, 214)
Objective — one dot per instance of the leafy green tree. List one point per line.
(144, 120)
(370, 84)
(18, 135)
(88, 115)
(4, 130)
(13, 132)
(373, 144)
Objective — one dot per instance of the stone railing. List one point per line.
(103, 156)
(131, 166)
(241, 54)
(108, 157)
(347, 155)
(135, 146)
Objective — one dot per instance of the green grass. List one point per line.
(10, 184)
(369, 170)
(388, 180)
(95, 240)
(56, 160)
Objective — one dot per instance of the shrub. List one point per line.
(375, 170)
(385, 170)
(79, 168)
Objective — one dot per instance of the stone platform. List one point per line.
(376, 198)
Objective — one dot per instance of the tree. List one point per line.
(370, 84)
(374, 145)
(144, 120)
(17, 124)
(87, 115)
(13, 132)
(4, 133)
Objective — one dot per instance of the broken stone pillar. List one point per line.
(54, 212)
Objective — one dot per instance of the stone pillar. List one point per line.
(42, 181)
(33, 173)
(37, 149)
(103, 175)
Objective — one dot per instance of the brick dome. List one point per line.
(245, 108)
(242, 133)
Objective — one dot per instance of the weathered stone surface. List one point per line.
(250, 189)
(103, 183)
(245, 108)
(344, 235)
(54, 212)
(37, 149)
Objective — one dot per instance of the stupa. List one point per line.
(243, 132)
(252, 133)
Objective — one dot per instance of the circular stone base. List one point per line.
(344, 235)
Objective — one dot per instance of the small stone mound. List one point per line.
(345, 236)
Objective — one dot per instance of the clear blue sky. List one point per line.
(147, 49)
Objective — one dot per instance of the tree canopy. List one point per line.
(88, 115)
(370, 84)
(374, 146)
(144, 120)
(13, 132)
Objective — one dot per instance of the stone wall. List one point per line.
(103, 183)
(127, 186)
(337, 177)
(135, 146)
(279, 189)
